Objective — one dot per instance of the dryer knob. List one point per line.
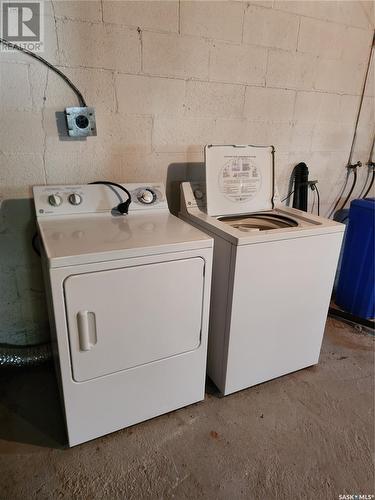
(55, 200)
(146, 196)
(75, 199)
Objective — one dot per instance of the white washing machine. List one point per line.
(273, 269)
(129, 301)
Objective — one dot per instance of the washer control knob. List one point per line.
(55, 200)
(146, 196)
(75, 199)
(198, 194)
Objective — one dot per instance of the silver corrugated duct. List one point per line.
(20, 356)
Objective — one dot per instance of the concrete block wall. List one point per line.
(167, 77)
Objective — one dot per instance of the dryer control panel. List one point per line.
(76, 199)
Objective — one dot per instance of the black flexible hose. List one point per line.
(371, 183)
(301, 177)
(351, 189)
(21, 356)
(364, 184)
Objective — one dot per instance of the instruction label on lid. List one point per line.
(239, 178)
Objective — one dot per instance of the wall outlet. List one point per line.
(80, 121)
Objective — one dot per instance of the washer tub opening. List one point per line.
(259, 222)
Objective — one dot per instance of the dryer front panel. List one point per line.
(122, 318)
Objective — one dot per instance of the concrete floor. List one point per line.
(306, 435)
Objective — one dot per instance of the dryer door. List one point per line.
(126, 317)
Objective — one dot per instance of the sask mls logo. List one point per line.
(22, 24)
(357, 496)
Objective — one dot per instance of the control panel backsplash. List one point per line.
(96, 198)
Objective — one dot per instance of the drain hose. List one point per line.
(21, 356)
(301, 178)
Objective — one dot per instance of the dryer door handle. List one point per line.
(86, 330)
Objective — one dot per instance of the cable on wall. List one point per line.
(49, 65)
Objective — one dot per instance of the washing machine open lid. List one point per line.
(240, 179)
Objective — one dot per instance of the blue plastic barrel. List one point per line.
(355, 291)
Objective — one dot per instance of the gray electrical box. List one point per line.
(80, 121)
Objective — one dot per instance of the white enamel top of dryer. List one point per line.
(239, 179)
(93, 232)
(102, 237)
(195, 210)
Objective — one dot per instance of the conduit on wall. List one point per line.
(350, 166)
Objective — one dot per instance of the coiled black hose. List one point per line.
(301, 177)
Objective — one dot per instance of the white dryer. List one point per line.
(273, 269)
(129, 302)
